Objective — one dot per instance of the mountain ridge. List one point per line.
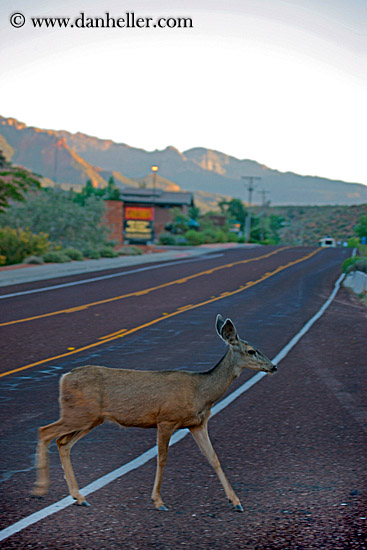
(71, 158)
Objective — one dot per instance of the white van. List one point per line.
(327, 242)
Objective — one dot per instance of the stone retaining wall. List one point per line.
(356, 281)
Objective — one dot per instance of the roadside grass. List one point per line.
(357, 262)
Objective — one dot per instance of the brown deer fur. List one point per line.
(166, 400)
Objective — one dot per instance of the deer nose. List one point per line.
(275, 368)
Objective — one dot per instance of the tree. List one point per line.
(194, 212)
(180, 223)
(361, 228)
(56, 213)
(234, 210)
(113, 193)
(15, 182)
(257, 232)
(273, 224)
(88, 191)
(3, 162)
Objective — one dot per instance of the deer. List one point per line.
(167, 400)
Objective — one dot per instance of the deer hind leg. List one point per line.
(45, 435)
(64, 444)
(164, 432)
(201, 436)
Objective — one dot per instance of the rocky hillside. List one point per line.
(307, 224)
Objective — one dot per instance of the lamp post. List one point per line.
(155, 170)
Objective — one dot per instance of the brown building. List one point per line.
(142, 214)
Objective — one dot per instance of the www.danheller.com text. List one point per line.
(128, 20)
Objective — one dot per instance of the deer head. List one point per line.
(244, 354)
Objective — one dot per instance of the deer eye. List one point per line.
(252, 352)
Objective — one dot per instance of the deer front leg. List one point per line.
(201, 436)
(64, 444)
(164, 432)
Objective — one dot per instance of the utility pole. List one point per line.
(250, 189)
(263, 192)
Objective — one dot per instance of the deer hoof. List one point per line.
(238, 508)
(83, 503)
(38, 492)
(162, 508)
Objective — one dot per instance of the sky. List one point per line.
(282, 82)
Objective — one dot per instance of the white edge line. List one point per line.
(152, 452)
(102, 277)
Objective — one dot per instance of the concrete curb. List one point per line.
(356, 281)
(27, 274)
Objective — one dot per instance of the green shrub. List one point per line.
(17, 244)
(193, 237)
(129, 251)
(360, 265)
(55, 257)
(33, 260)
(347, 264)
(231, 237)
(208, 236)
(90, 253)
(93, 255)
(353, 242)
(135, 251)
(73, 253)
(167, 239)
(108, 252)
(56, 213)
(221, 236)
(355, 264)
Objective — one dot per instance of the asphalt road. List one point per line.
(292, 445)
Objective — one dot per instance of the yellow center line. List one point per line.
(123, 332)
(144, 291)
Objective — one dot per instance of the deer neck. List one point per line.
(217, 380)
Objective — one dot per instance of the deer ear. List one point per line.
(218, 324)
(228, 332)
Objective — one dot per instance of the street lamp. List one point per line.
(154, 170)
